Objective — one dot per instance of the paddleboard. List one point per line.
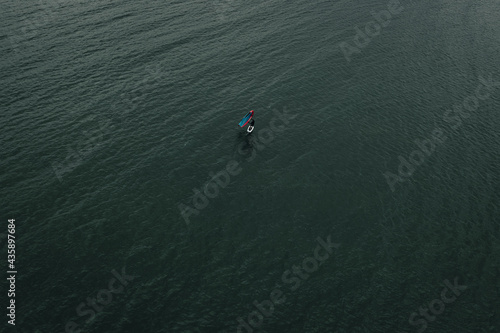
(246, 119)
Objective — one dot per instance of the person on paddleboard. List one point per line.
(250, 126)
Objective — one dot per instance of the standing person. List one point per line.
(251, 126)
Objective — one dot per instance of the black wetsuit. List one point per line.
(252, 122)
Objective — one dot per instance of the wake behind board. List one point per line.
(246, 119)
(250, 129)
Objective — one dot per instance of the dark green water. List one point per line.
(114, 112)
